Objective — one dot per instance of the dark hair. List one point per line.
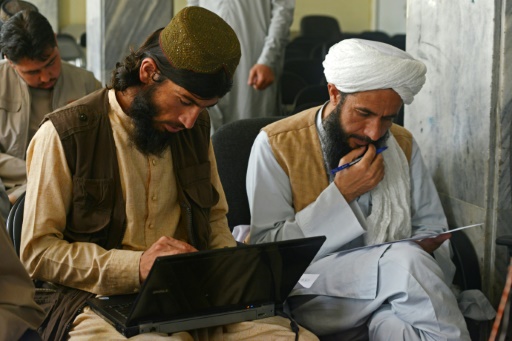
(126, 73)
(27, 34)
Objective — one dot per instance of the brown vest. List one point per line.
(297, 149)
(97, 213)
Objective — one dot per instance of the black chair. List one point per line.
(381, 36)
(14, 222)
(232, 144)
(505, 240)
(83, 40)
(311, 70)
(467, 277)
(320, 50)
(398, 40)
(350, 35)
(296, 51)
(312, 94)
(70, 50)
(289, 86)
(321, 28)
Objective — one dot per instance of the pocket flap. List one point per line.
(10, 104)
(196, 181)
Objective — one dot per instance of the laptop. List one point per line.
(211, 288)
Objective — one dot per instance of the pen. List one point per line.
(336, 170)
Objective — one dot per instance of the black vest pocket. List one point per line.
(93, 201)
(196, 182)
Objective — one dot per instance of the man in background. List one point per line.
(34, 81)
(128, 174)
(263, 28)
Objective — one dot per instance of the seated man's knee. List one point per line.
(385, 325)
(410, 257)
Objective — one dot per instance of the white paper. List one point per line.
(307, 280)
(418, 237)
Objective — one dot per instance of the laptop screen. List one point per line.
(223, 279)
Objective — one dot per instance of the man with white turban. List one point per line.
(397, 291)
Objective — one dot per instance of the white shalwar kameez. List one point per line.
(263, 29)
(391, 292)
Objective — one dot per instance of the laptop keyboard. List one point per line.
(122, 309)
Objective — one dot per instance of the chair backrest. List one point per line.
(320, 27)
(232, 144)
(467, 274)
(311, 70)
(70, 50)
(312, 94)
(290, 84)
(14, 222)
(380, 36)
(398, 40)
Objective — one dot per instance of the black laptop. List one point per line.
(210, 288)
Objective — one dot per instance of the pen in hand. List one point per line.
(351, 163)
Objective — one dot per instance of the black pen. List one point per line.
(337, 169)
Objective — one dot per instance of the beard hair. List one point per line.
(336, 139)
(146, 138)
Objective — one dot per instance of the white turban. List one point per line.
(354, 65)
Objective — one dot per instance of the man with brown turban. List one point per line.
(128, 174)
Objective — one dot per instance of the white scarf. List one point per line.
(390, 218)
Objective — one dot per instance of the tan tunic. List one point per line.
(88, 266)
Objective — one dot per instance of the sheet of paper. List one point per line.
(307, 280)
(418, 237)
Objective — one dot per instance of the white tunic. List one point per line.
(353, 286)
(262, 26)
(270, 201)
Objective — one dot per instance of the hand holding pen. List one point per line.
(353, 183)
(346, 165)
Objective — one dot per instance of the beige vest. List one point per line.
(296, 147)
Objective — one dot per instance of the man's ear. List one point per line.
(9, 61)
(334, 94)
(147, 70)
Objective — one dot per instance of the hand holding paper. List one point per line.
(420, 238)
(432, 243)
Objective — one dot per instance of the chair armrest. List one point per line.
(505, 240)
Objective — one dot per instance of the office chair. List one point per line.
(312, 94)
(232, 144)
(14, 222)
(289, 86)
(296, 51)
(321, 28)
(311, 70)
(398, 40)
(381, 36)
(69, 49)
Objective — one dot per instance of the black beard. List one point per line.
(147, 139)
(336, 139)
